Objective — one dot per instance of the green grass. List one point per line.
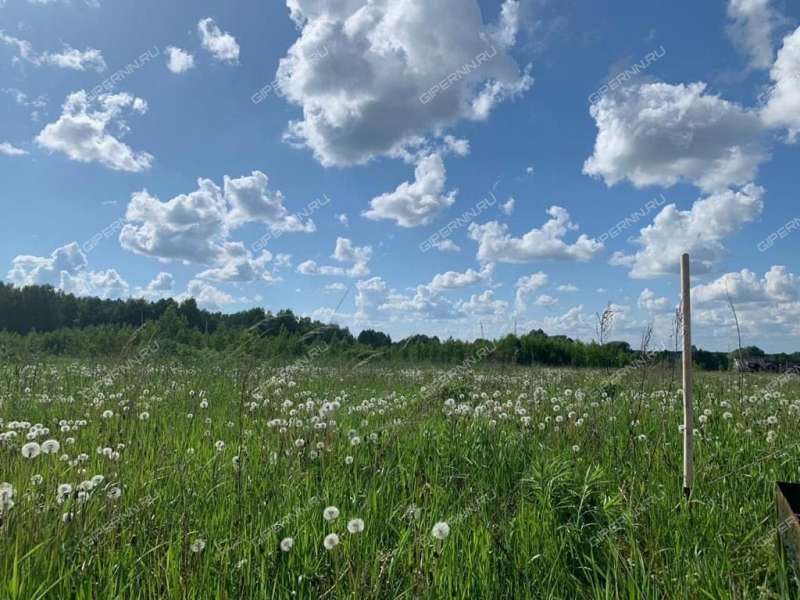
(567, 511)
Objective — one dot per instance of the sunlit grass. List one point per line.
(552, 484)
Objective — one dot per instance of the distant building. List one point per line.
(762, 365)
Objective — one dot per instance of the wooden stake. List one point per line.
(688, 416)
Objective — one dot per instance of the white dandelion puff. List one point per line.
(51, 446)
(331, 541)
(6, 491)
(330, 513)
(441, 530)
(286, 544)
(355, 526)
(31, 450)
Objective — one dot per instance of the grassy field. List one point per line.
(218, 482)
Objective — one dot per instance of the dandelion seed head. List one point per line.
(31, 450)
(331, 541)
(51, 446)
(355, 526)
(441, 530)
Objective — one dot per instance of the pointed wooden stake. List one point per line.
(688, 409)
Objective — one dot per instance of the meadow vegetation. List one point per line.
(144, 478)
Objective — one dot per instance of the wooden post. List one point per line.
(688, 417)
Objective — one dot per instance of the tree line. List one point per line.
(42, 321)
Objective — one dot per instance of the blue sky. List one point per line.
(333, 138)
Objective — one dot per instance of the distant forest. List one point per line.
(39, 321)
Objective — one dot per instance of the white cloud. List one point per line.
(196, 227)
(568, 287)
(454, 280)
(92, 3)
(37, 105)
(222, 45)
(40, 270)
(446, 246)
(767, 308)
(545, 300)
(68, 58)
(417, 203)
(783, 100)
(344, 252)
(190, 227)
(239, 265)
(335, 287)
(370, 294)
(81, 132)
(508, 207)
(11, 150)
(179, 61)
(423, 305)
(574, 322)
(649, 301)
(66, 269)
(252, 201)
(457, 146)
(526, 286)
(661, 134)
(282, 260)
(206, 295)
(484, 304)
(505, 32)
(699, 231)
(312, 268)
(745, 287)
(103, 284)
(752, 30)
(547, 243)
(160, 286)
(342, 218)
(363, 73)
